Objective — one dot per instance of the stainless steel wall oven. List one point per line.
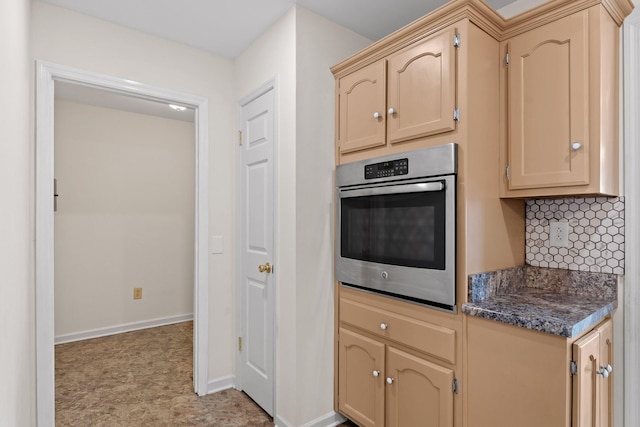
(396, 231)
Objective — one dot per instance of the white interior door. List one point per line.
(256, 251)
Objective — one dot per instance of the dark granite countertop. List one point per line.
(559, 302)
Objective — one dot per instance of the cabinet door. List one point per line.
(418, 392)
(605, 332)
(422, 88)
(586, 404)
(361, 114)
(361, 378)
(548, 105)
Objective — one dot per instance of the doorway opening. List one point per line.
(48, 75)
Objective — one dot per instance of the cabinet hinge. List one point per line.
(239, 137)
(454, 386)
(456, 115)
(573, 367)
(506, 59)
(456, 40)
(239, 343)
(507, 173)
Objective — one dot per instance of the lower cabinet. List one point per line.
(380, 385)
(418, 392)
(361, 380)
(519, 377)
(593, 380)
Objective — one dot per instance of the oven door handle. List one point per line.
(420, 187)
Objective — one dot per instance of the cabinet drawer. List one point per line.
(437, 341)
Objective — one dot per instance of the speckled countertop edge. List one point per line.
(546, 300)
(545, 313)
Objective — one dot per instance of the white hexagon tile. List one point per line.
(596, 234)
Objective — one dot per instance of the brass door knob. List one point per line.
(264, 268)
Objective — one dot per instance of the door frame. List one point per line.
(240, 326)
(47, 74)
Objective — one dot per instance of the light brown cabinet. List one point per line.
(560, 81)
(593, 381)
(419, 392)
(362, 100)
(382, 380)
(527, 378)
(409, 94)
(361, 378)
(421, 87)
(559, 88)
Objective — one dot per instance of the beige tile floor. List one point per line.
(143, 378)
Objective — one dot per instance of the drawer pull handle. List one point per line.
(389, 380)
(376, 373)
(383, 326)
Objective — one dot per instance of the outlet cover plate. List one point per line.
(559, 234)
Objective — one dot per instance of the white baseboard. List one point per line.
(331, 419)
(278, 421)
(222, 383)
(119, 329)
(328, 420)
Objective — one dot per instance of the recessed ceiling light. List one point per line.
(177, 107)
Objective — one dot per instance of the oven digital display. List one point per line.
(385, 169)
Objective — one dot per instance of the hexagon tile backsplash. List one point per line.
(596, 234)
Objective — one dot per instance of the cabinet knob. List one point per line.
(376, 373)
(576, 146)
(391, 111)
(376, 115)
(389, 380)
(383, 326)
(604, 371)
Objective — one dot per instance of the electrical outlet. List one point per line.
(137, 293)
(559, 234)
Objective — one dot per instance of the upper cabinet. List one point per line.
(407, 95)
(362, 100)
(547, 83)
(421, 88)
(560, 108)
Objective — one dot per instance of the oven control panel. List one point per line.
(385, 169)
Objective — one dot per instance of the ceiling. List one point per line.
(227, 28)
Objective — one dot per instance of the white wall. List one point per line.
(320, 45)
(273, 55)
(79, 41)
(125, 217)
(17, 313)
(298, 50)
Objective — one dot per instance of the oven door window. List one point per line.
(406, 229)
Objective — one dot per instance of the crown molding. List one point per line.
(481, 15)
